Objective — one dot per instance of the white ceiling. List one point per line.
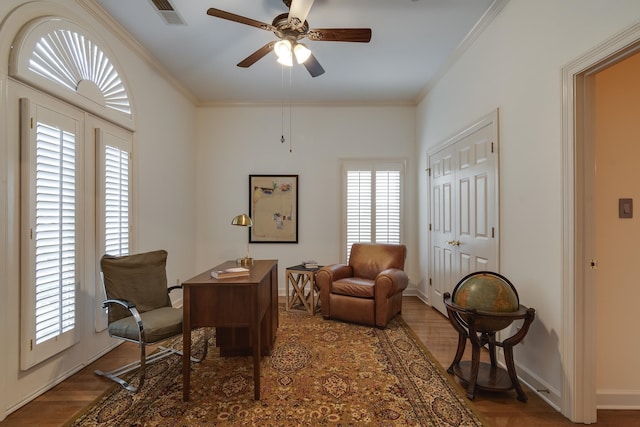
(412, 41)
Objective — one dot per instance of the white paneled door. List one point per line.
(464, 207)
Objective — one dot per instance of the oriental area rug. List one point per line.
(320, 373)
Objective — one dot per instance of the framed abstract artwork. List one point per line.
(273, 207)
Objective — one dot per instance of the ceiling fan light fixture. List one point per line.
(286, 60)
(282, 48)
(289, 28)
(283, 51)
(301, 52)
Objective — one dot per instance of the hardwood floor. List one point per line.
(58, 405)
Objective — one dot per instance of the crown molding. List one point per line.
(484, 21)
(124, 36)
(307, 103)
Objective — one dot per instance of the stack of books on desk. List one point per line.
(230, 273)
(310, 264)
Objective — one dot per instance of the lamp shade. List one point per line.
(283, 50)
(286, 60)
(242, 220)
(302, 53)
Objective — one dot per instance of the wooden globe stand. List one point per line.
(481, 375)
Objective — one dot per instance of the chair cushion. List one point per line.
(139, 278)
(354, 287)
(158, 324)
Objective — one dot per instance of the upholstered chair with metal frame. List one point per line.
(368, 289)
(140, 310)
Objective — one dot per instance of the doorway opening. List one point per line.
(579, 292)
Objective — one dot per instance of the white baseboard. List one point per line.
(60, 378)
(545, 391)
(618, 399)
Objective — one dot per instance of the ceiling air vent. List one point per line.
(168, 13)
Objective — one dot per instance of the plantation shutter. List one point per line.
(50, 276)
(359, 208)
(373, 193)
(387, 197)
(114, 201)
(116, 195)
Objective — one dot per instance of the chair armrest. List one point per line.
(391, 281)
(324, 281)
(330, 273)
(126, 304)
(174, 287)
(339, 271)
(134, 312)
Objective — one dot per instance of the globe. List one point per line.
(487, 292)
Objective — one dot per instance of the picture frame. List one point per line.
(273, 208)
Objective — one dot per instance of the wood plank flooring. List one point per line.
(59, 404)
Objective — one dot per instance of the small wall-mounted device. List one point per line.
(625, 208)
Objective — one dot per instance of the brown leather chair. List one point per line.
(369, 289)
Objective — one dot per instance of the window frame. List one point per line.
(32, 352)
(95, 101)
(120, 139)
(80, 51)
(373, 165)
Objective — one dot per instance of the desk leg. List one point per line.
(256, 332)
(186, 346)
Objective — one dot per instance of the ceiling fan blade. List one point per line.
(257, 55)
(359, 35)
(313, 66)
(298, 12)
(240, 19)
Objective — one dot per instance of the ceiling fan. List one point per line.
(290, 28)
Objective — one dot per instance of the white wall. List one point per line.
(515, 65)
(164, 185)
(193, 165)
(191, 173)
(234, 142)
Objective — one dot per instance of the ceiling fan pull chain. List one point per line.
(290, 108)
(282, 104)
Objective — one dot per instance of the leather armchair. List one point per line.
(368, 289)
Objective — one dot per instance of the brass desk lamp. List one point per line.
(243, 220)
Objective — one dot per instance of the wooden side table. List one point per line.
(305, 293)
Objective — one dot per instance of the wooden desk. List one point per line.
(244, 311)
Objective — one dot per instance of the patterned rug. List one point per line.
(320, 373)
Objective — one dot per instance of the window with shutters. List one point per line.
(373, 202)
(114, 207)
(61, 244)
(113, 150)
(60, 57)
(50, 273)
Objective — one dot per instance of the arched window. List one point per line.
(60, 57)
(63, 148)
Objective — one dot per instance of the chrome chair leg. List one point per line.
(161, 353)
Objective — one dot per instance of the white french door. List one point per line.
(464, 208)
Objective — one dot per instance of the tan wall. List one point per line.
(617, 142)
